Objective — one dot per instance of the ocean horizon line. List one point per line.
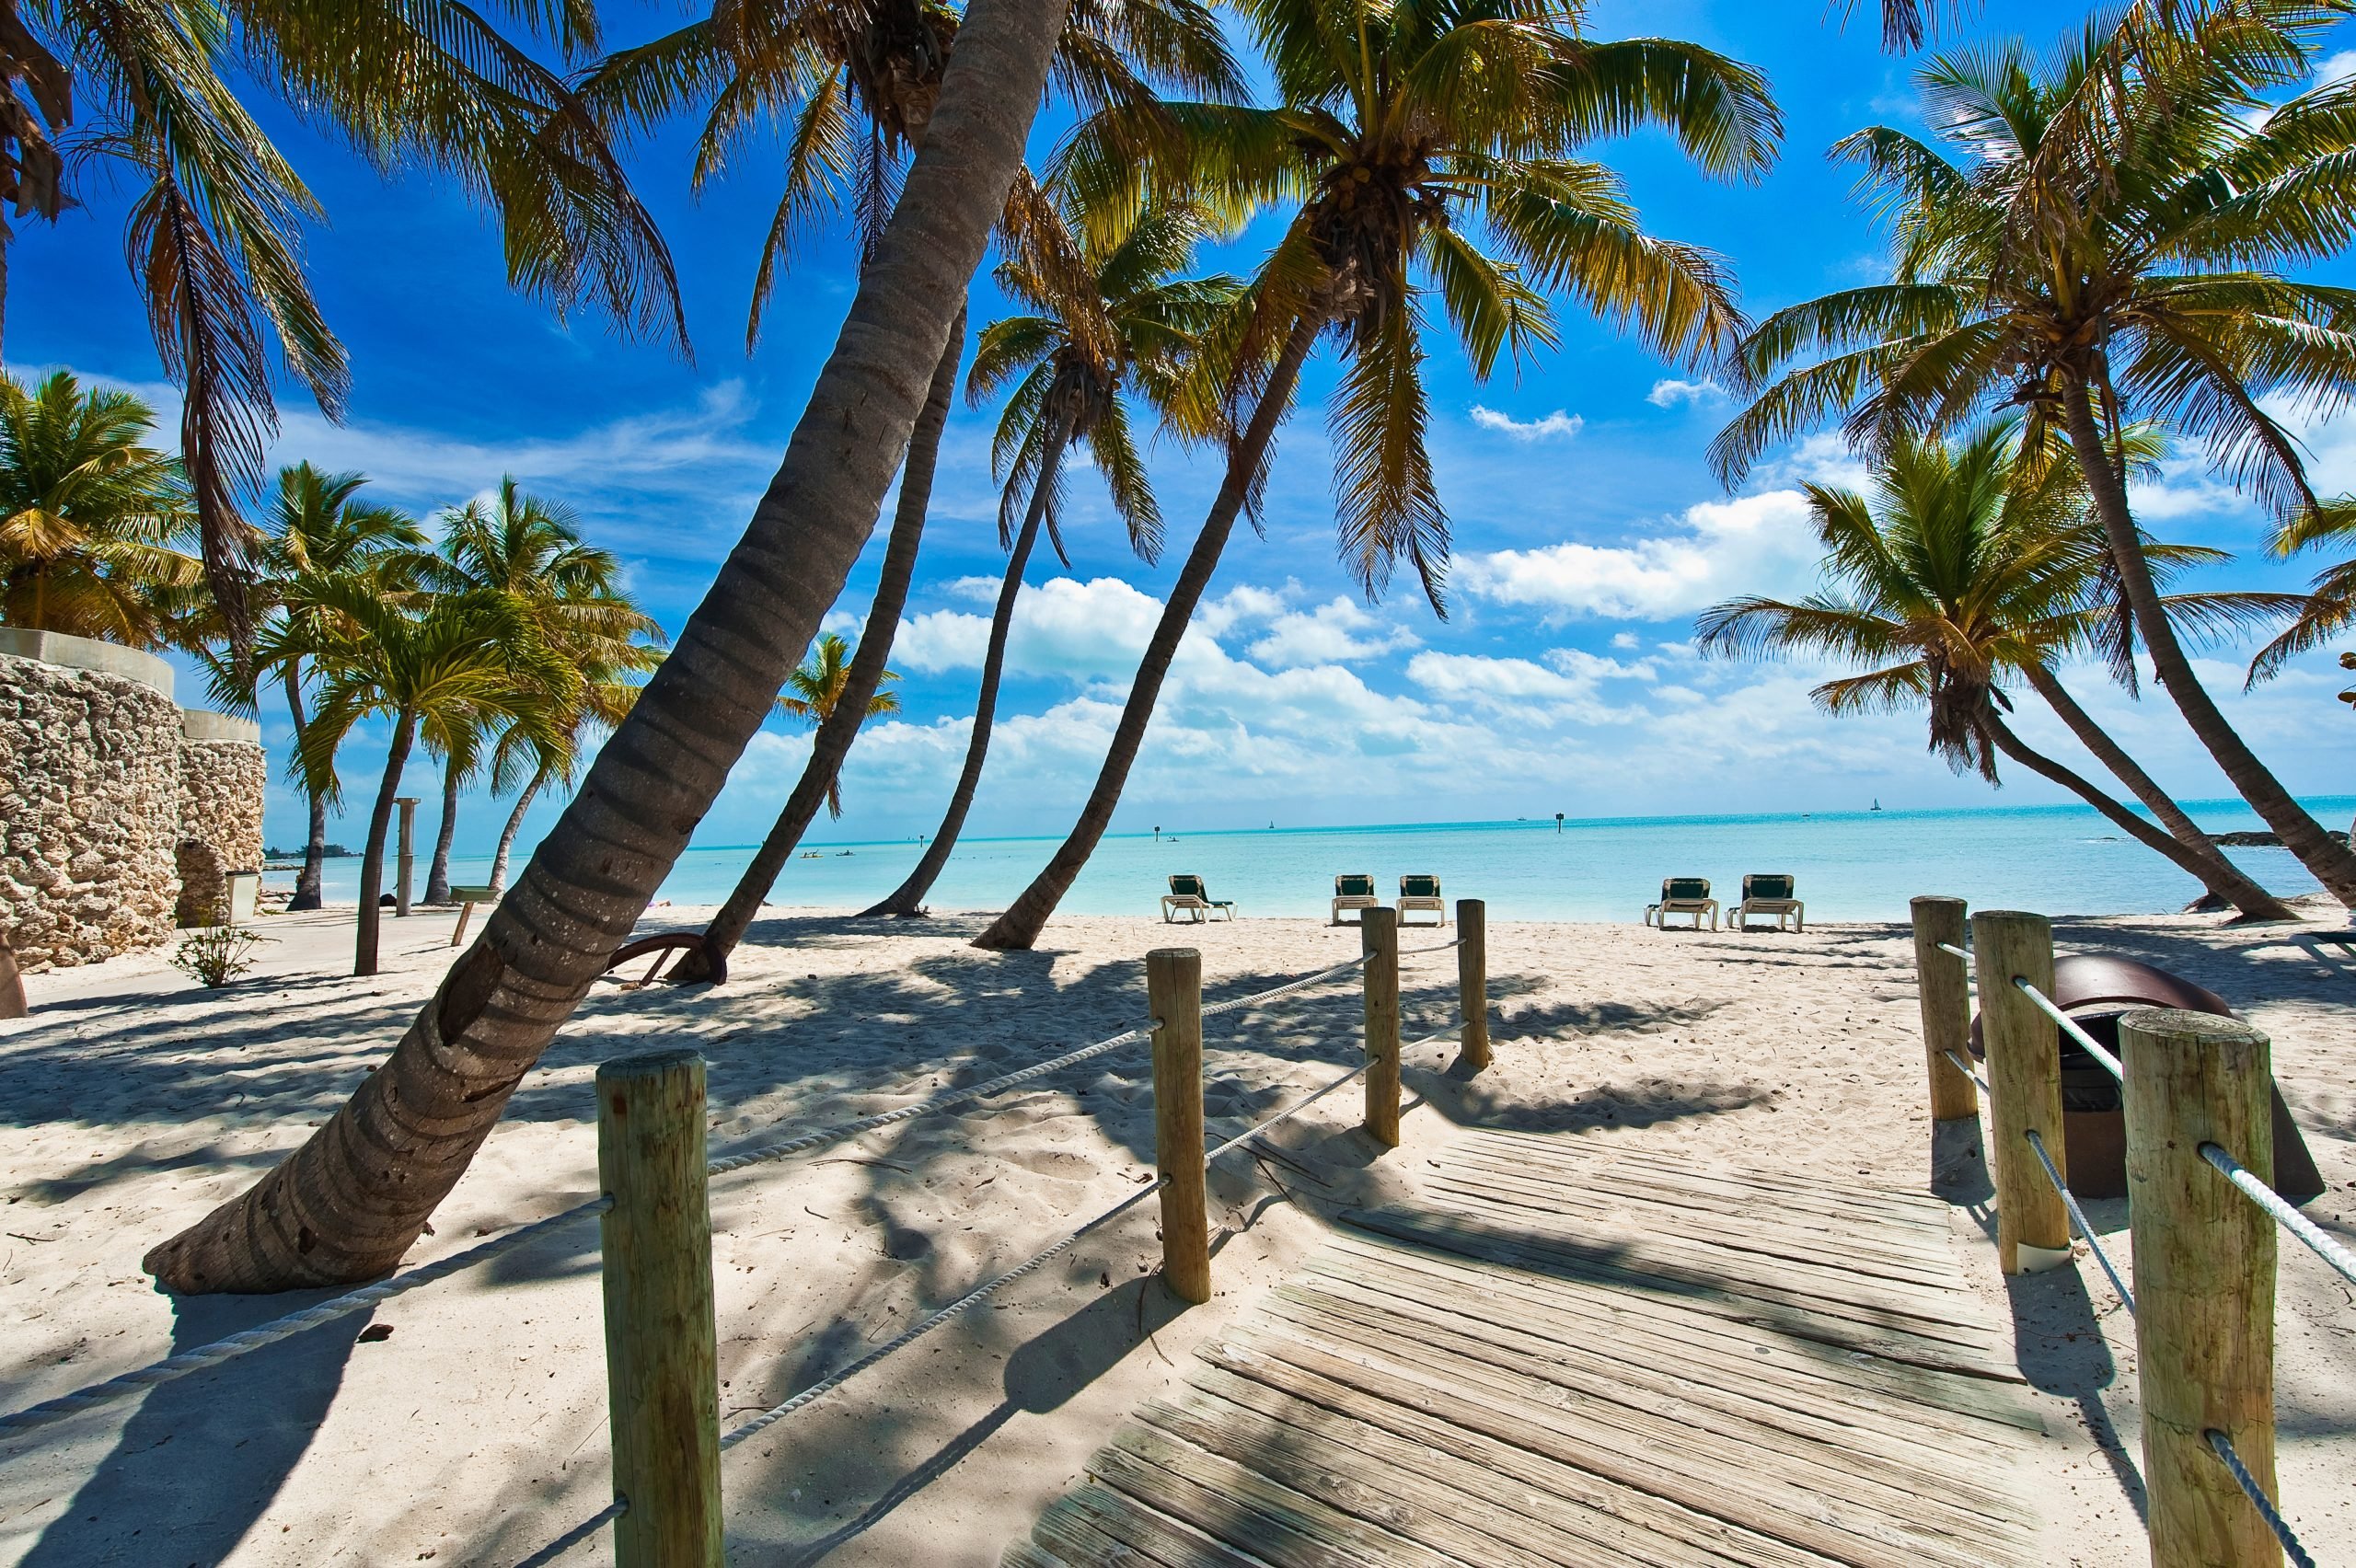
(2315, 804)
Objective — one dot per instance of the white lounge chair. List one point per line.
(1684, 895)
(1352, 890)
(1421, 893)
(1764, 896)
(1187, 896)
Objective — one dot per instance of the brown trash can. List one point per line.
(2097, 990)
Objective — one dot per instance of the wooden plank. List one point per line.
(1648, 1385)
(1582, 1512)
(1461, 1526)
(1923, 1212)
(1093, 1525)
(1023, 1554)
(1915, 1340)
(1781, 1249)
(1729, 1495)
(1853, 1248)
(1290, 1528)
(1908, 1400)
(1663, 1423)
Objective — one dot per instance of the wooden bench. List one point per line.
(466, 898)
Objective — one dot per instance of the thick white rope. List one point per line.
(2078, 1217)
(2070, 1027)
(980, 1293)
(2283, 1215)
(1965, 1068)
(1960, 953)
(2222, 1446)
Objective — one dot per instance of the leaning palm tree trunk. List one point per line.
(437, 873)
(2225, 881)
(1021, 925)
(2332, 863)
(2185, 859)
(908, 898)
(829, 748)
(372, 858)
(350, 1202)
(507, 834)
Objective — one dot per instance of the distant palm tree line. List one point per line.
(2102, 243)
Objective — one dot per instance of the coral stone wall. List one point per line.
(89, 812)
(220, 797)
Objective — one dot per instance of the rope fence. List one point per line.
(655, 1239)
(230, 1347)
(2193, 1084)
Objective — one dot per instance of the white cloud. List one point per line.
(1670, 393)
(1335, 632)
(1093, 630)
(1556, 426)
(1754, 543)
(1244, 606)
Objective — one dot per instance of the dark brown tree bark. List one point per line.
(2331, 863)
(1021, 925)
(348, 1204)
(831, 745)
(437, 873)
(2225, 881)
(2126, 821)
(372, 858)
(315, 847)
(908, 898)
(507, 834)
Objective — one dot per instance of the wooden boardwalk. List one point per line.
(1569, 1354)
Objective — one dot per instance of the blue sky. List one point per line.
(1588, 530)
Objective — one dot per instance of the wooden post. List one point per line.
(2205, 1280)
(2024, 1087)
(1473, 980)
(407, 864)
(1173, 983)
(1942, 980)
(661, 1361)
(1380, 934)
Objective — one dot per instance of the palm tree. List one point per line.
(1966, 566)
(214, 230)
(1405, 132)
(1110, 317)
(819, 685)
(2111, 248)
(534, 761)
(338, 1208)
(317, 530)
(528, 551)
(89, 518)
(852, 86)
(443, 663)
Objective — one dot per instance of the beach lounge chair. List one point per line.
(1684, 895)
(1352, 891)
(1764, 896)
(1421, 892)
(1187, 895)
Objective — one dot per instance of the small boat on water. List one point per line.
(1877, 802)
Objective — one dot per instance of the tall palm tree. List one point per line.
(852, 86)
(214, 229)
(527, 550)
(1966, 566)
(349, 1203)
(90, 518)
(1408, 134)
(1108, 320)
(317, 530)
(820, 684)
(2112, 245)
(443, 663)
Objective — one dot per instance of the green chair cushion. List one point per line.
(1680, 889)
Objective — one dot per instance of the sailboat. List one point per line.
(1877, 802)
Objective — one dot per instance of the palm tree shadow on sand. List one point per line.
(200, 1460)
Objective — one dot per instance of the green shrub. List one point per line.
(217, 954)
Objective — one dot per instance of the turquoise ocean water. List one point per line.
(1851, 865)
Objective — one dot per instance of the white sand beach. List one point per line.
(464, 1423)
